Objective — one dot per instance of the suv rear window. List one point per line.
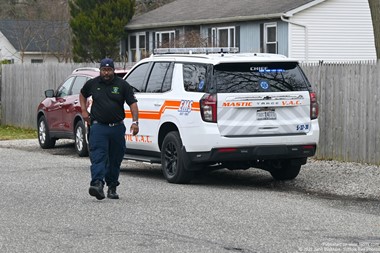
(260, 77)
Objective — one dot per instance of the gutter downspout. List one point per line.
(285, 19)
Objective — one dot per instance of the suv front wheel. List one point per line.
(173, 165)
(44, 135)
(81, 146)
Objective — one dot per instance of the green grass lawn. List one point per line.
(14, 133)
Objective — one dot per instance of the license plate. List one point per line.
(266, 115)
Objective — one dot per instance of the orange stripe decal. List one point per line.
(168, 105)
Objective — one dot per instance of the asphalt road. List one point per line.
(45, 207)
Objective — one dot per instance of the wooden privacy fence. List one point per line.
(349, 115)
(348, 96)
(23, 86)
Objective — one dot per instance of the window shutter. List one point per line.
(176, 41)
(261, 38)
(154, 41)
(209, 35)
(147, 41)
(126, 44)
(237, 39)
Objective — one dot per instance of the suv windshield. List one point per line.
(260, 77)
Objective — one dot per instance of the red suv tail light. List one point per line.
(313, 105)
(208, 107)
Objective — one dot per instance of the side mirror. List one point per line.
(49, 93)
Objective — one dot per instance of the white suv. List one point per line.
(223, 110)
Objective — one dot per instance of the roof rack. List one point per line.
(196, 50)
(86, 68)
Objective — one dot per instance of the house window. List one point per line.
(137, 44)
(7, 61)
(36, 60)
(165, 39)
(270, 38)
(223, 37)
(142, 45)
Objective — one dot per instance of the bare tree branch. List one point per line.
(375, 13)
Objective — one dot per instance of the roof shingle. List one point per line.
(35, 36)
(185, 12)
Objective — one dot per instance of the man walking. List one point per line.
(107, 135)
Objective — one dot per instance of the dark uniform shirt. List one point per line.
(108, 98)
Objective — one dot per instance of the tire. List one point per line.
(287, 170)
(81, 145)
(44, 138)
(172, 161)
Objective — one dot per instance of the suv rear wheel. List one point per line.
(44, 135)
(285, 170)
(81, 146)
(172, 162)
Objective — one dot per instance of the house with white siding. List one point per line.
(309, 30)
(25, 41)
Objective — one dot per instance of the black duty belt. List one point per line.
(108, 124)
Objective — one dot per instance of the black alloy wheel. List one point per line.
(172, 162)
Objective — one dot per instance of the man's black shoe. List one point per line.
(111, 193)
(96, 190)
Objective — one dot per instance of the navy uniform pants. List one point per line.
(107, 148)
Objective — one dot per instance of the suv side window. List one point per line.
(137, 76)
(159, 78)
(63, 91)
(78, 84)
(167, 85)
(194, 76)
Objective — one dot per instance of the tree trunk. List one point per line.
(374, 5)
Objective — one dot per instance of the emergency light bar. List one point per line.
(196, 50)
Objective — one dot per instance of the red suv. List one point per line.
(59, 114)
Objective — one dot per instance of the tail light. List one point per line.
(208, 107)
(313, 105)
(227, 150)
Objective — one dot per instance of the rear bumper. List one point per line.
(253, 153)
(206, 137)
